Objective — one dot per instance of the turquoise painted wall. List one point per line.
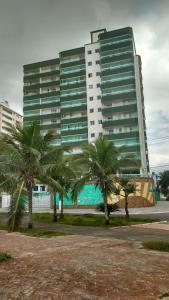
(88, 196)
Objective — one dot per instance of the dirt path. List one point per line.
(80, 267)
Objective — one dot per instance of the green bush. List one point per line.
(110, 207)
(4, 256)
(156, 245)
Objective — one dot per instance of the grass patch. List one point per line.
(42, 232)
(37, 232)
(3, 227)
(91, 220)
(4, 256)
(156, 245)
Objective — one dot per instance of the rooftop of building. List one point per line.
(101, 33)
(5, 104)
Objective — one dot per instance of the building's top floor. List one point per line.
(4, 106)
(96, 36)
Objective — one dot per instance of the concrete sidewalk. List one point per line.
(160, 207)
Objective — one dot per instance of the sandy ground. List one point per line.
(80, 267)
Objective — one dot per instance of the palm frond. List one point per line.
(78, 186)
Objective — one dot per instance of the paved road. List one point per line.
(130, 233)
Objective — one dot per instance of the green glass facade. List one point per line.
(56, 94)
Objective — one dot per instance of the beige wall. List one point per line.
(8, 117)
(143, 197)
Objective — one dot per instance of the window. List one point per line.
(53, 109)
(98, 85)
(100, 133)
(92, 122)
(89, 52)
(90, 63)
(91, 98)
(99, 121)
(35, 188)
(131, 129)
(97, 50)
(90, 86)
(97, 62)
(91, 110)
(92, 134)
(90, 75)
(97, 73)
(54, 121)
(98, 97)
(120, 129)
(99, 109)
(42, 188)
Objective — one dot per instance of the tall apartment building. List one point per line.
(90, 91)
(8, 117)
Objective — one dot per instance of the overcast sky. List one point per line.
(35, 30)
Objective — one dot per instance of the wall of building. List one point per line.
(91, 90)
(8, 118)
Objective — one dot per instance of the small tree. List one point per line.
(21, 156)
(164, 183)
(59, 171)
(124, 186)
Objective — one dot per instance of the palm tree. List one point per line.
(9, 184)
(60, 171)
(124, 186)
(22, 154)
(101, 160)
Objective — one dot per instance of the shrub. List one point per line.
(111, 208)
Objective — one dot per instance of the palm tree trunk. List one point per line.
(106, 214)
(126, 206)
(54, 208)
(61, 211)
(30, 221)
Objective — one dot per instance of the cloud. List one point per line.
(37, 30)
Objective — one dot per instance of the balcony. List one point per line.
(42, 95)
(74, 138)
(121, 135)
(39, 75)
(77, 130)
(50, 126)
(72, 92)
(73, 63)
(116, 52)
(126, 121)
(42, 85)
(118, 45)
(119, 108)
(117, 64)
(123, 96)
(75, 108)
(74, 119)
(40, 117)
